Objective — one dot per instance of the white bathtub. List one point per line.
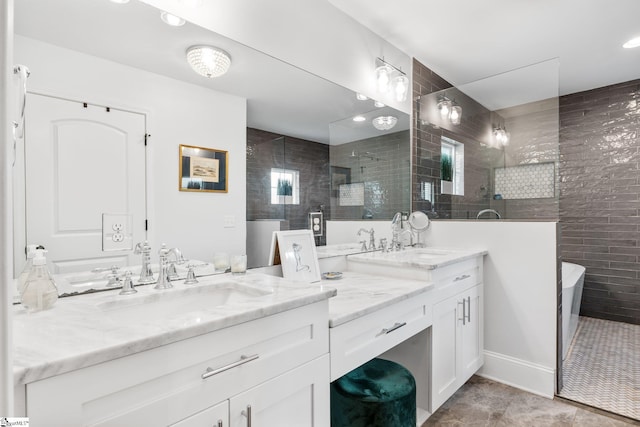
(572, 284)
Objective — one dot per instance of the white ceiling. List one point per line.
(280, 97)
(468, 40)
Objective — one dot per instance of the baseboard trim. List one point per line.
(519, 373)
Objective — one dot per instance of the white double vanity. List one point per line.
(251, 350)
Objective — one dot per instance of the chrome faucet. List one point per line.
(164, 281)
(484, 211)
(146, 275)
(179, 259)
(396, 227)
(372, 238)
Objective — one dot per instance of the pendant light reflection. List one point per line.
(449, 110)
(501, 136)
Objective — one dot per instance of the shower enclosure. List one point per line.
(500, 153)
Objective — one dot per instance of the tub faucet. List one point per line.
(146, 275)
(484, 211)
(372, 238)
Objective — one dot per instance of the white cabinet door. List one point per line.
(298, 398)
(472, 354)
(457, 343)
(216, 416)
(445, 345)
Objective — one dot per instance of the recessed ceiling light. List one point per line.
(120, 1)
(359, 119)
(378, 104)
(174, 21)
(635, 42)
(361, 97)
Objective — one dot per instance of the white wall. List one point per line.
(520, 297)
(177, 113)
(519, 290)
(313, 35)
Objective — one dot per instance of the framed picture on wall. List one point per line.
(296, 251)
(203, 169)
(339, 176)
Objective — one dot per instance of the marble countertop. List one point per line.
(341, 249)
(86, 330)
(360, 294)
(425, 258)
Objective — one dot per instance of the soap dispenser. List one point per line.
(40, 292)
(22, 278)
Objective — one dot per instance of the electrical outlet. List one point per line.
(117, 234)
(315, 223)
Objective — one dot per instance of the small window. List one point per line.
(451, 167)
(285, 188)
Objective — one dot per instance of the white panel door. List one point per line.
(81, 162)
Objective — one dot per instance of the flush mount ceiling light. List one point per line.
(384, 122)
(208, 61)
(359, 119)
(391, 79)
(169, 19)
(635, 42)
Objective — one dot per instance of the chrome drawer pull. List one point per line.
(219, 423)
(464, 276)
(464, 311)
(247, 414)
(243, 359)
(469, 309)
(393, 328)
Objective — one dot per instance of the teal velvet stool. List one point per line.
(379, 393)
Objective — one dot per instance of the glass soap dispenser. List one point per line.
(40, 292)
(22, 279)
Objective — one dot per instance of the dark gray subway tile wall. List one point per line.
(382, 164)
(266, 150)
(600, 196)
(597, 152)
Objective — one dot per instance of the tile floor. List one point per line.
(602, 368)
(482, 402)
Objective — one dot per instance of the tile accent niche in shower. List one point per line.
(535, 181)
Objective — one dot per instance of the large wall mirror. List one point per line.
(304, 151)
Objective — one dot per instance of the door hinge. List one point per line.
(146, 225)
(146, 138)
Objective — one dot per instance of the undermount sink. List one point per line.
(159, 304)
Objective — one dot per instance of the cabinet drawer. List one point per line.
(166, 384)
(455, 278)
(360, 340)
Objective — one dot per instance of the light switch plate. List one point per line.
(116, 232)
(229, 221)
